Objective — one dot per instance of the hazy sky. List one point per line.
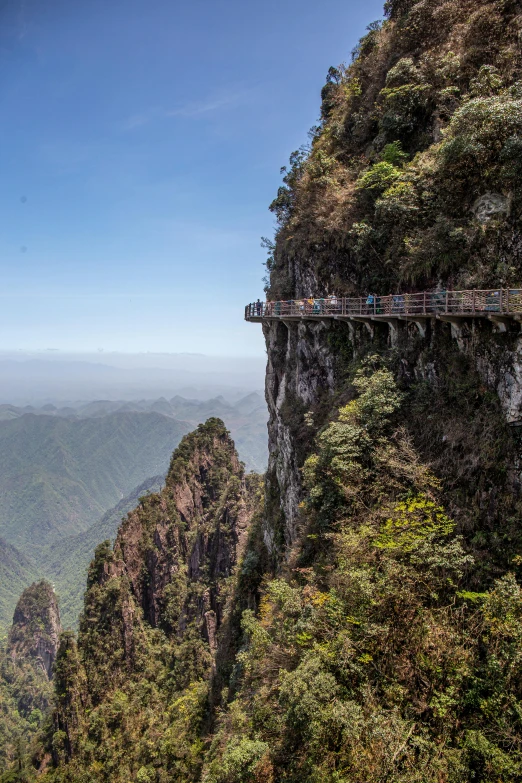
(141, 144)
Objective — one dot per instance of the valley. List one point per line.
(67, 480)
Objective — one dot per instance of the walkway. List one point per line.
(501, 306)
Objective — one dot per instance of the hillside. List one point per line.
(26, 664)
(59, 476)
(66, 562)
(16, 573)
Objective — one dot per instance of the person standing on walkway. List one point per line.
(370, 301)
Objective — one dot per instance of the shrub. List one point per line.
(481, 137)
(379, 177)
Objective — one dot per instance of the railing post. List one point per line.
(473, 300)
(507, 300)
(424, 303)
(447, 295)
(343, 306)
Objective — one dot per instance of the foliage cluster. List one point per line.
(25, 698)
(134, 693)
(371, 660)
(25, 690)
(425, 121)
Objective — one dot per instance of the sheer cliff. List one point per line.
(26, 670)
(385, 646)
(411, 181)
(134, 692)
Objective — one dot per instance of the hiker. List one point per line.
(397, 303)
(370, 301)
(258, 307)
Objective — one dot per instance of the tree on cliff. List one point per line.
(26, 671)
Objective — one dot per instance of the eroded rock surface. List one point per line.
(36, 627)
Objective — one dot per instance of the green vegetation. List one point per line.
(16, 573)
(25, 690)
(59, 476)
(424, 122)
(369, 660)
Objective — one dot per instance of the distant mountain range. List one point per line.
(69, 473)
(36, 378)
(246, 419)
(58, 476)
(16, 573)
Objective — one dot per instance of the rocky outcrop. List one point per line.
(36, 628)
(300, 373)
(306, 380)
(191, 534)
(156, 603)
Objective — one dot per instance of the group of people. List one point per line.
(328, 304)
(437, 301)
(317, 306)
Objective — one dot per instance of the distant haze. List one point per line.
(53, 376)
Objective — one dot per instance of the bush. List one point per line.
(379, 177)
(482, 135)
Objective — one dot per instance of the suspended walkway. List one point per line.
(501, 306)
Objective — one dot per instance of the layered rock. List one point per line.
(34, 634)
(411, 182)
(156, 602)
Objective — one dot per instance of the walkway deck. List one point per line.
(501, 306)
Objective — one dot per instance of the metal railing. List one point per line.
(429, 304)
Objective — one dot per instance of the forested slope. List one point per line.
(132, 695)
(413, 175)
(26, 663)
(59, 476)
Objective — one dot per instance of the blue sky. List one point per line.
(141, 144)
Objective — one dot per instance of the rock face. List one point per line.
(305, 383)
(300, 372)
(405, 188)
(191, 533)
(36, 627)
(155, 603)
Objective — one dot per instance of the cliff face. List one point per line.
(154, 612)
(26, 670)
(412, 180)
(195, 537)
(300, 373)
(36, 628)
(393, 491)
